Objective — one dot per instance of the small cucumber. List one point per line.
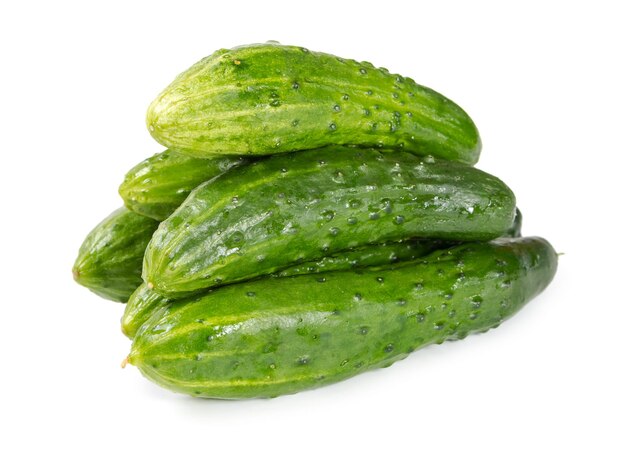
(109, 260)
(277, 336)
(158, 185)
(261, 218)
(269, 98)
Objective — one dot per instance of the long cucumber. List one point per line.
(277, 336)
(269, 98)
(261, 218)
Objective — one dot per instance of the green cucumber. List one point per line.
(293, 208)
(144, 300)
(277, 336)
(269, 98)
(158, 185)
(110, 258)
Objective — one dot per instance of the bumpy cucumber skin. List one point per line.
(293, 208)
(368, 256)
(279, 336)
(158, 185)
(144, 300)
(385, 253)
(271, 98)
(110, 258)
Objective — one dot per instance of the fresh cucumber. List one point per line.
(269, 98)
(277, 336)
(110, 258)
(158, 185)
(299, 207)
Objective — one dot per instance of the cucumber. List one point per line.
(158, 185)
(293, 208)
(110, 258)
(269, 98)
(277, 336)
(144, 300)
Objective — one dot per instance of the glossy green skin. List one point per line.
(385, 253)
(368, 256)
(271, 337)
(109, 260)
(270, 98)
(144, 300)
(288, 209)
(141, 304)
(158, 185)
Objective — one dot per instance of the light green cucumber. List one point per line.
(269, 98)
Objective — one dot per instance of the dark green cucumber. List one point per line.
(109, 260)
(293, 208)
(158, 185)
(269, 98)
(144, 300)
(141, 304)
(277, 336)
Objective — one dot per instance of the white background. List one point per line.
(544, 82)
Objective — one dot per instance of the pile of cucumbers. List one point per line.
(311, 218)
